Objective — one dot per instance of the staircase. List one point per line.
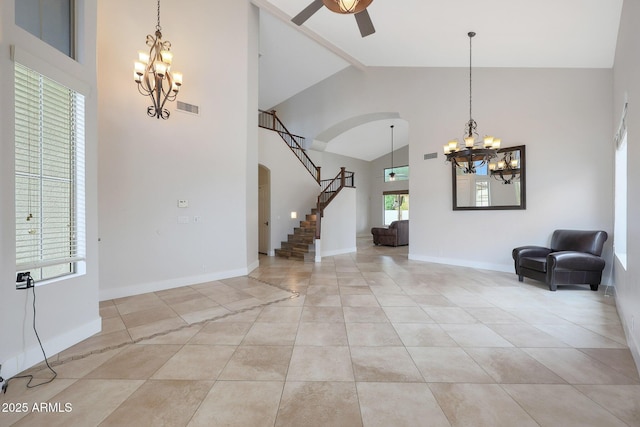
(269, 120)
(301, 244)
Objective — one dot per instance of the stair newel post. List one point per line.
(318, 174)
(273, 119)
(342, 176)
(318, 217)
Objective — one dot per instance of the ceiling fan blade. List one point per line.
(364, 23)
(307, 12)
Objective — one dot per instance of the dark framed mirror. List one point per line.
(499, 185)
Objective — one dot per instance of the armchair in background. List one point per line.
(572, 258)
(397, 234)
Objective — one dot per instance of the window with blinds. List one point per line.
(49, 181)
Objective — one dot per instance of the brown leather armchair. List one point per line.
(397, 234)
(572, 258)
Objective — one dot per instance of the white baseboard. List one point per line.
(634, 345)
(635, 350)
(253, 266)
(33, 355)
(339, 252)
(143, 288)
(463, 263)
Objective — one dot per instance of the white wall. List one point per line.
(67, 310)
(147, 164)
(293, 189)
(338, 233)
(331, 164)
(379, 186)
(563, 116)
(627, 85)
(251, 183)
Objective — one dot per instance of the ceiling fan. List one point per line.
(356, 7)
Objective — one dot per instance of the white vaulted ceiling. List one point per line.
(432, 33)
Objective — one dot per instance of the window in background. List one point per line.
(402, 173)
(620, 220)
(396, 206)
(474, 189)
(52, 21)
(49, 176)
(482, 192)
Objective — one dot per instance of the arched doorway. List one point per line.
(370, 138)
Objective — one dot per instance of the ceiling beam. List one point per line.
(278, 13)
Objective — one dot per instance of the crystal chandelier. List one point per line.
(153, 74)
(474, 152)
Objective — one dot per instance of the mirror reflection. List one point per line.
(497, 185)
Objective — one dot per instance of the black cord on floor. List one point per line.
(5, 386)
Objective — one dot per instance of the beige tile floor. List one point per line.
(367, 339)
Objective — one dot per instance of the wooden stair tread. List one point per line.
(301, 244)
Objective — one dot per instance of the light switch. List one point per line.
(183, 203)
(183, 220)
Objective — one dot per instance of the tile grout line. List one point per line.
(188, 325)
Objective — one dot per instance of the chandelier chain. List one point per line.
(470, 79)
(392, 174)
(471, 153)
(158, 27)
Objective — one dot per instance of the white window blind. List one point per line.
(49, 168)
